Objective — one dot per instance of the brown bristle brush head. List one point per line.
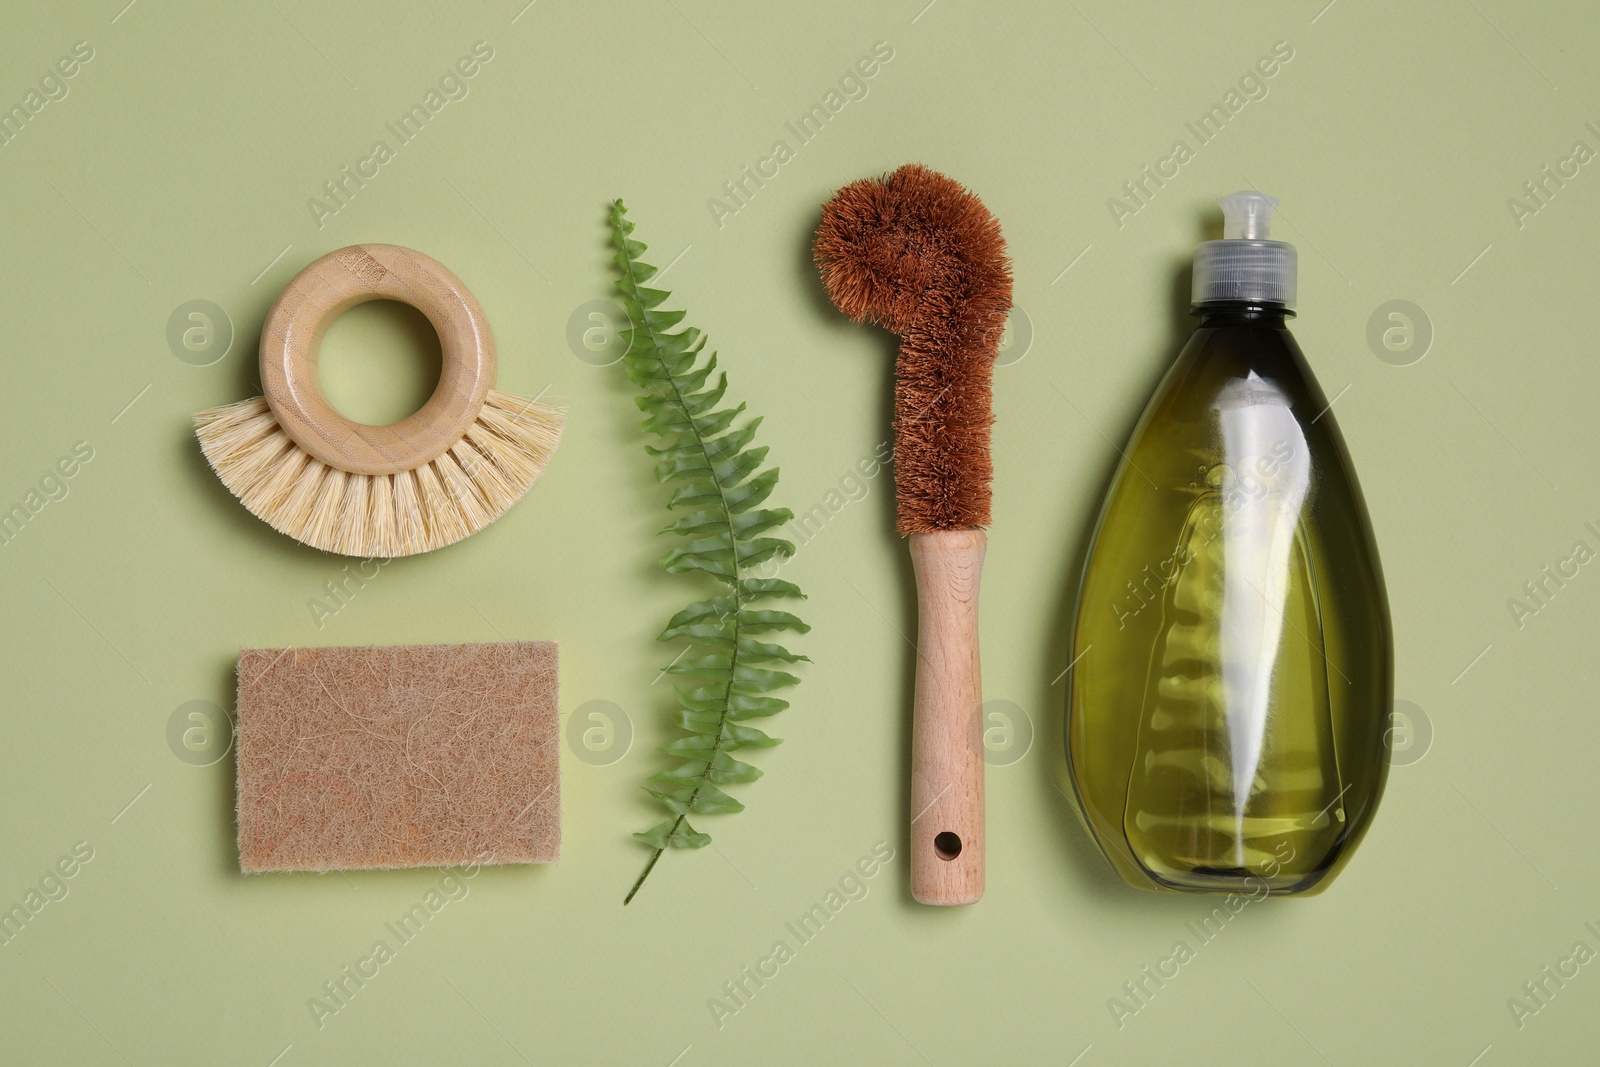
(918, 253)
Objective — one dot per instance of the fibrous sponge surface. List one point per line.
(398, 756)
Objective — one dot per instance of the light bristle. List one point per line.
(481, 469)
(297, 508)
(265, 455)
(380, 501)
(246, 437)
(327, 505)
(439, 514)
(355, 514)
(267, 496)
(409, 527)
(518, 436)
(463, 490)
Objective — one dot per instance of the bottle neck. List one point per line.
(1226, 313)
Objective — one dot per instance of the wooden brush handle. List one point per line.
(947, 838)
(292, 338)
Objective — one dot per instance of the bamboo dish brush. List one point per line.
(421, 483)
(919, 254)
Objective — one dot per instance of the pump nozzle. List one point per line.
(1247, 216)
(1246, 266)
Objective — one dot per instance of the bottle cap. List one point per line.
(1245, 267)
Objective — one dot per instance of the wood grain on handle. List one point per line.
(340, 280)
(947, 837)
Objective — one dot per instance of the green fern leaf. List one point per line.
(718, 485)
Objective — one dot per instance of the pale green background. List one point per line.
(179, 167)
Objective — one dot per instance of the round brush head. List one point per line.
(918, 253)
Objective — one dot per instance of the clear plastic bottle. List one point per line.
(1234, 660)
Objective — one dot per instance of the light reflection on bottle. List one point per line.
(1257, 537)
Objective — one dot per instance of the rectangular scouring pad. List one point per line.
(398, 756)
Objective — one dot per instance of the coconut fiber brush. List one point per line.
(919, 254)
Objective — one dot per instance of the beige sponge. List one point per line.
(398, 756)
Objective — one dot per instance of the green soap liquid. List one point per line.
(1234, 663)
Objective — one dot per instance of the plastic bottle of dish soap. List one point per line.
(1233, 657)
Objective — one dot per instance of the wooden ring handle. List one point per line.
(947, 834)
(291, 342)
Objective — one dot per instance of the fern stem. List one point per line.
(737, 582)
(649, 866)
